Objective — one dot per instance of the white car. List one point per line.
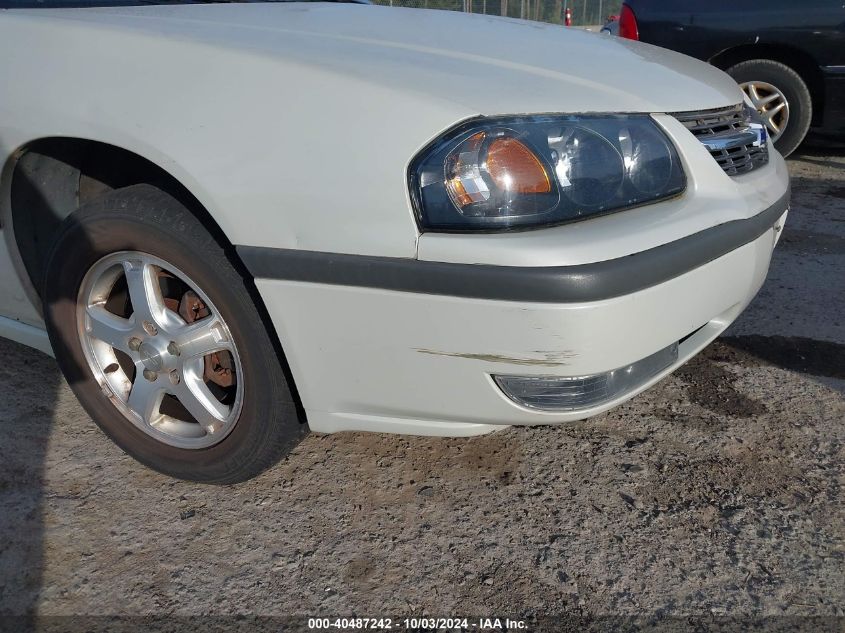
(232, 223)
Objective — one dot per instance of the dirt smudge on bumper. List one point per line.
(548, 359)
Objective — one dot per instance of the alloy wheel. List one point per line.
(771, 104)
(160, 350)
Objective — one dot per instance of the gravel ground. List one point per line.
(716, 492)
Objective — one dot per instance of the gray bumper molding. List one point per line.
(551, 284)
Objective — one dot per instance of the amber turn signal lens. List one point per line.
(464, 182)
(514, 167)
(459, 193)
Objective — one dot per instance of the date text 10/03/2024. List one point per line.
(448, 624)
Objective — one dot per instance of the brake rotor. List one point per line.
(218, 366)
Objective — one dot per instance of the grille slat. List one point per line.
(730, 138)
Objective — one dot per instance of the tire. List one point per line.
(794, 91)
(164, 240)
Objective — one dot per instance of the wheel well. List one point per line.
(799, 61)
(52, 177)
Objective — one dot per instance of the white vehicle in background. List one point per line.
(231, 223)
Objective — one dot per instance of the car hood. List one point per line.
(487, 65)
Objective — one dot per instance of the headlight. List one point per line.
(507, 173)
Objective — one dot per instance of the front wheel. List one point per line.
(159, 338)
(781, 98)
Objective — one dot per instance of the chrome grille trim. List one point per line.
(742, 159)
(712, 122)
(732, 139)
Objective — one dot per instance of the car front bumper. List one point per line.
(413, 347)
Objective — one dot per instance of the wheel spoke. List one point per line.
(107, 327)
(145, 399)
(197, 398)
(202, 338)
(769, 120)
(753, 95)
(767, 99)
(144, 291)
(774, 110)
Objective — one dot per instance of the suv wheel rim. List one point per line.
(160, 350)
(770, 104)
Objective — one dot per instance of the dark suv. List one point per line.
(787, 55)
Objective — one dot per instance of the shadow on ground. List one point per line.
(30, 385)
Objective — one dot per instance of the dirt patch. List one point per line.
(361, 571)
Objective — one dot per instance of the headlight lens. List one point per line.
(499, 174)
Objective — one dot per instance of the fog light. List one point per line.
(572, 393)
